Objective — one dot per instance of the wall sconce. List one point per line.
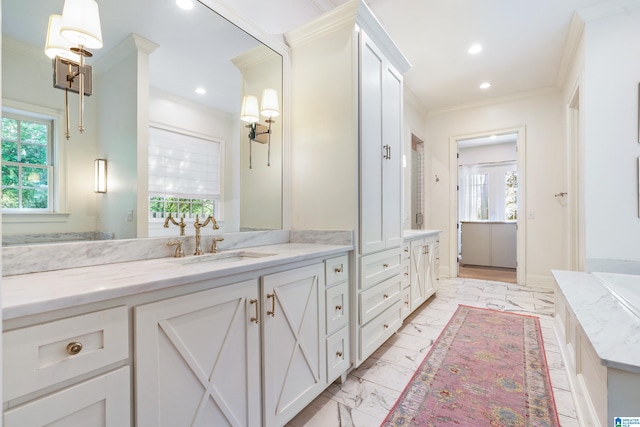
(249, 114)
(67, 37)
(100, 183)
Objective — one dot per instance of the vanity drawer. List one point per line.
(406, 250)
(405, 299)
(380, 329)
(375, 300)
(337, 312)
(406, 273)
(378, 267)
(43, 355)
(337, 354)
(336, 270)
(100, 401)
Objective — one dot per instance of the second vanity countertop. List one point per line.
(34, 293)
(416, 234)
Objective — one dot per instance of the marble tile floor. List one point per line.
(371, 390)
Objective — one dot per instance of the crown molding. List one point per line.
(496, 100)
(607, 8)
(570, 48)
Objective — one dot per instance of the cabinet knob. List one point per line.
(386, 326)
(338, 307)
(74, 348)
(385, 296)
(339, 353)
(338, 269)
(385, 265)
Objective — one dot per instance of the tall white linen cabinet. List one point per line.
(346, 156)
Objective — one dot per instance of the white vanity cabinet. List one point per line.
(250, 353)
(294, 357)
(69, 371)
(347, 131)
(424, 261)
(198, 358)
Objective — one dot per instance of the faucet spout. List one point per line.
(180, 224)
(198, 226)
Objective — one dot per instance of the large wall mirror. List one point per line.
(166, 83)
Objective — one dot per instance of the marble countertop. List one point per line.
(34, 293)
(613, 328)
(416, 234)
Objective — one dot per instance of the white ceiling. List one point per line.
(523, 41)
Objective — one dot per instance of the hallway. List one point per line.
(371, 390)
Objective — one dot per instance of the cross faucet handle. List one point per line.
(178, 243)
(214, 244)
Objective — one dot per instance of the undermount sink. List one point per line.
(221, 257)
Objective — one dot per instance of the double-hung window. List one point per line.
(27, 164)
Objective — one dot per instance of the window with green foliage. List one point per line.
(511, 196)
(178, 207)
(26, 163)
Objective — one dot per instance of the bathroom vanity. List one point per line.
(598, 328)
(248, 336)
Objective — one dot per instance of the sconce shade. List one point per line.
(56, 45)
(249, 111)
(270, 107)
(101, 176)
(81, 23)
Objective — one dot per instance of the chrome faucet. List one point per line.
(181, 224)
(198, 226)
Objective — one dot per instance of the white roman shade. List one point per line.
(182, 165)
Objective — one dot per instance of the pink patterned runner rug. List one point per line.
(487, 368)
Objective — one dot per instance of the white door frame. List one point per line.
(521, 234)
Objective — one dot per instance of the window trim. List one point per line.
(58, 192)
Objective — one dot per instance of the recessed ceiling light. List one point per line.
(185, 4)
(201, 91)
(476, 48)
(485, 85)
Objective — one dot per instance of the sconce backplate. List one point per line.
(261, 134)
(61, 70)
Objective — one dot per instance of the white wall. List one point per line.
(27, 78)
(610, 98)
(414, 114)
(118, 139)
(542, 116)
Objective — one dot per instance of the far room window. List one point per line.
(479, 195)
(27, 164)
(184, 175)
(511, 196)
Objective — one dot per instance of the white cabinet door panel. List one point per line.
(293, 341)
(198, 359)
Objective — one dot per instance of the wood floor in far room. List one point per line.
(487, 273)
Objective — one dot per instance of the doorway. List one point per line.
(487, 201)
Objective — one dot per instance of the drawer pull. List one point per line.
(74, 348)
(339, 353)
(406, 250)
(385, 265)
(338, 307)
(386, 326)
(385, 296)
(272, 312)
(338, 270)
(406, 303)
(406, 274)
(254, 301)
